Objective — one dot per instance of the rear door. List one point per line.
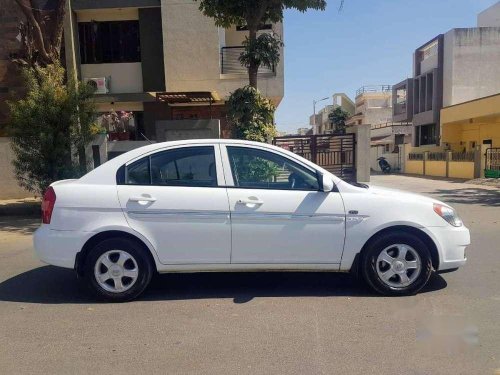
(176, 198)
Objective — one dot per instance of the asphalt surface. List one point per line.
(259, 323)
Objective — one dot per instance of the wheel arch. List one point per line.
(104, 235)
(398, 229)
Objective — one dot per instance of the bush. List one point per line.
(50, 128)
(251, 115)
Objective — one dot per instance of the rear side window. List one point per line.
(190, 166)
(193, 166)
(138, 173)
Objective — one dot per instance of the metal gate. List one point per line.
(335, 153)
(492, 163)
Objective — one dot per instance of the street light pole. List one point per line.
(315, 128)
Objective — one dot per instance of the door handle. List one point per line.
(142, 199)
(250, 201)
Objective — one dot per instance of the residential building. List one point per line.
(452, 99)
(161, 65)
(372, 106)
(452, 68)
(489, 17)
(322, 122)
(472, 125)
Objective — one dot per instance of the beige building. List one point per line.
(373, 105)
(136, 50)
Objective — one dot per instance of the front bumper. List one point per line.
(58, 248)
(451, 243)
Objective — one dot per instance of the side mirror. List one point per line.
(327, 183)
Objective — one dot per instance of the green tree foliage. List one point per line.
(253, 14)
(262, 51)
(50, 127)
(251, 114)
(337, 118)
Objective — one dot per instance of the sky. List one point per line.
(369, 42)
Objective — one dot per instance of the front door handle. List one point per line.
(146, 198)
(251, 201)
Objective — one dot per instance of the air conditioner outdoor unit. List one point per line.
(100, 84)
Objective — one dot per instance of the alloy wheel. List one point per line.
(398, 265)
(116, 271)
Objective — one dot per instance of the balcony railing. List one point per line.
(230, 63)
(374, 88)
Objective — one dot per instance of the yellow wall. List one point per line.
(459, 169)
(414, 167)
(435, 168)
(474, 121)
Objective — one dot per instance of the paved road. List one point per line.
(259, 323)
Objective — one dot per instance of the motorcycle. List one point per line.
(384, 165)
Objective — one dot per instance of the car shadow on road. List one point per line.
(484, 197)
(52, 285)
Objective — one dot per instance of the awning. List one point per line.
(193, 97)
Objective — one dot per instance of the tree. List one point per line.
(263, 51)
(48, 127)
(42, 32)
(253, 14)
(337, 118)
(251, 114)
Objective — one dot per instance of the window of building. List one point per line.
(258, 169)
(401, 96)
(428, 134)
(109, 42)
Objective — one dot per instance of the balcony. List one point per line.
(230, 64)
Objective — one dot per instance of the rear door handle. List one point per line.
(142, 199)
(250, 201)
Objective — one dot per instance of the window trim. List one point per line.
(229, 172)
(121, 174)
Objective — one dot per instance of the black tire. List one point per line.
(145, 269)
(371, 254)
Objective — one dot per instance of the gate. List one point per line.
(492, 163)
(335, 153)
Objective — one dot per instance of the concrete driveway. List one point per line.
(259, 323)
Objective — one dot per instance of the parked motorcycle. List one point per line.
(384, 165)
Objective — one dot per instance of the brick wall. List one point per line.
(10, 82)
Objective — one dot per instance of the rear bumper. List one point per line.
(452, 243)
(58, 248)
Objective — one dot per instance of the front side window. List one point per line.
(192, 166)
(258, 169)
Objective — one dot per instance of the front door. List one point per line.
(278, 214)
(173, 198)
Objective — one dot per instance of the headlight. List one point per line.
(448, 214)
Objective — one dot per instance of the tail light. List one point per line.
(48, 202)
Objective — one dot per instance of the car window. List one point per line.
(190, 166)
(194, 166)
(138, 173)
(253, 168)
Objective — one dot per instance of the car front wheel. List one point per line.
(118, 270)
(397, 264)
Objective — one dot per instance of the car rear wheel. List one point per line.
(397, 264)
(118, 270)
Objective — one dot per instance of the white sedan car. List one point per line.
(225, 205)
